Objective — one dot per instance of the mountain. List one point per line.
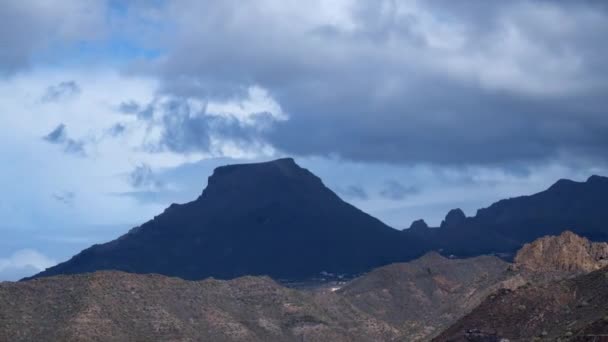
(506, 225)
(475, 299)
(273, 218)
(278, 219)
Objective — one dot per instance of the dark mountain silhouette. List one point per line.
(273, 218)
(278, 219)
(506, 225)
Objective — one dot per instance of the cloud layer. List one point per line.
(404, 82)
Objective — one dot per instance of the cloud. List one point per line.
(188, 125)
(143, 177)
(117, 130)
(23, 262)
(399, 82)
(61, 91)
(59, 136)
(31, 29)
(396, 191)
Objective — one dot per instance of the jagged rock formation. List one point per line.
(567, 252)
(272, 218)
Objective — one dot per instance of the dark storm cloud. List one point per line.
(30, 28)
(396, 191)
(63, 90)
(439, 82)
(59, 136)
(187, 127)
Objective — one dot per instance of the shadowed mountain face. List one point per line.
(272, 218)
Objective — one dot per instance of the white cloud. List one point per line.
(22, 263)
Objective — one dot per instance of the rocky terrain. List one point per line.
(116, 306)
(567, 252)
(574, 309)
(426, 295)
(406, 301)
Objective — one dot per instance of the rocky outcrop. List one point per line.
(567, 252)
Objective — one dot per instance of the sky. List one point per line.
(112, 110)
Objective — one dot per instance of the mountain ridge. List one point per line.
(276, 218)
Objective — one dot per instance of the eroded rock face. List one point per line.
(567, 252)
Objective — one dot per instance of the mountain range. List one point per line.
(473, 299)
(278, 219)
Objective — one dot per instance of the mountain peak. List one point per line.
(273, 218)
(280, 175)
(454, 218)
